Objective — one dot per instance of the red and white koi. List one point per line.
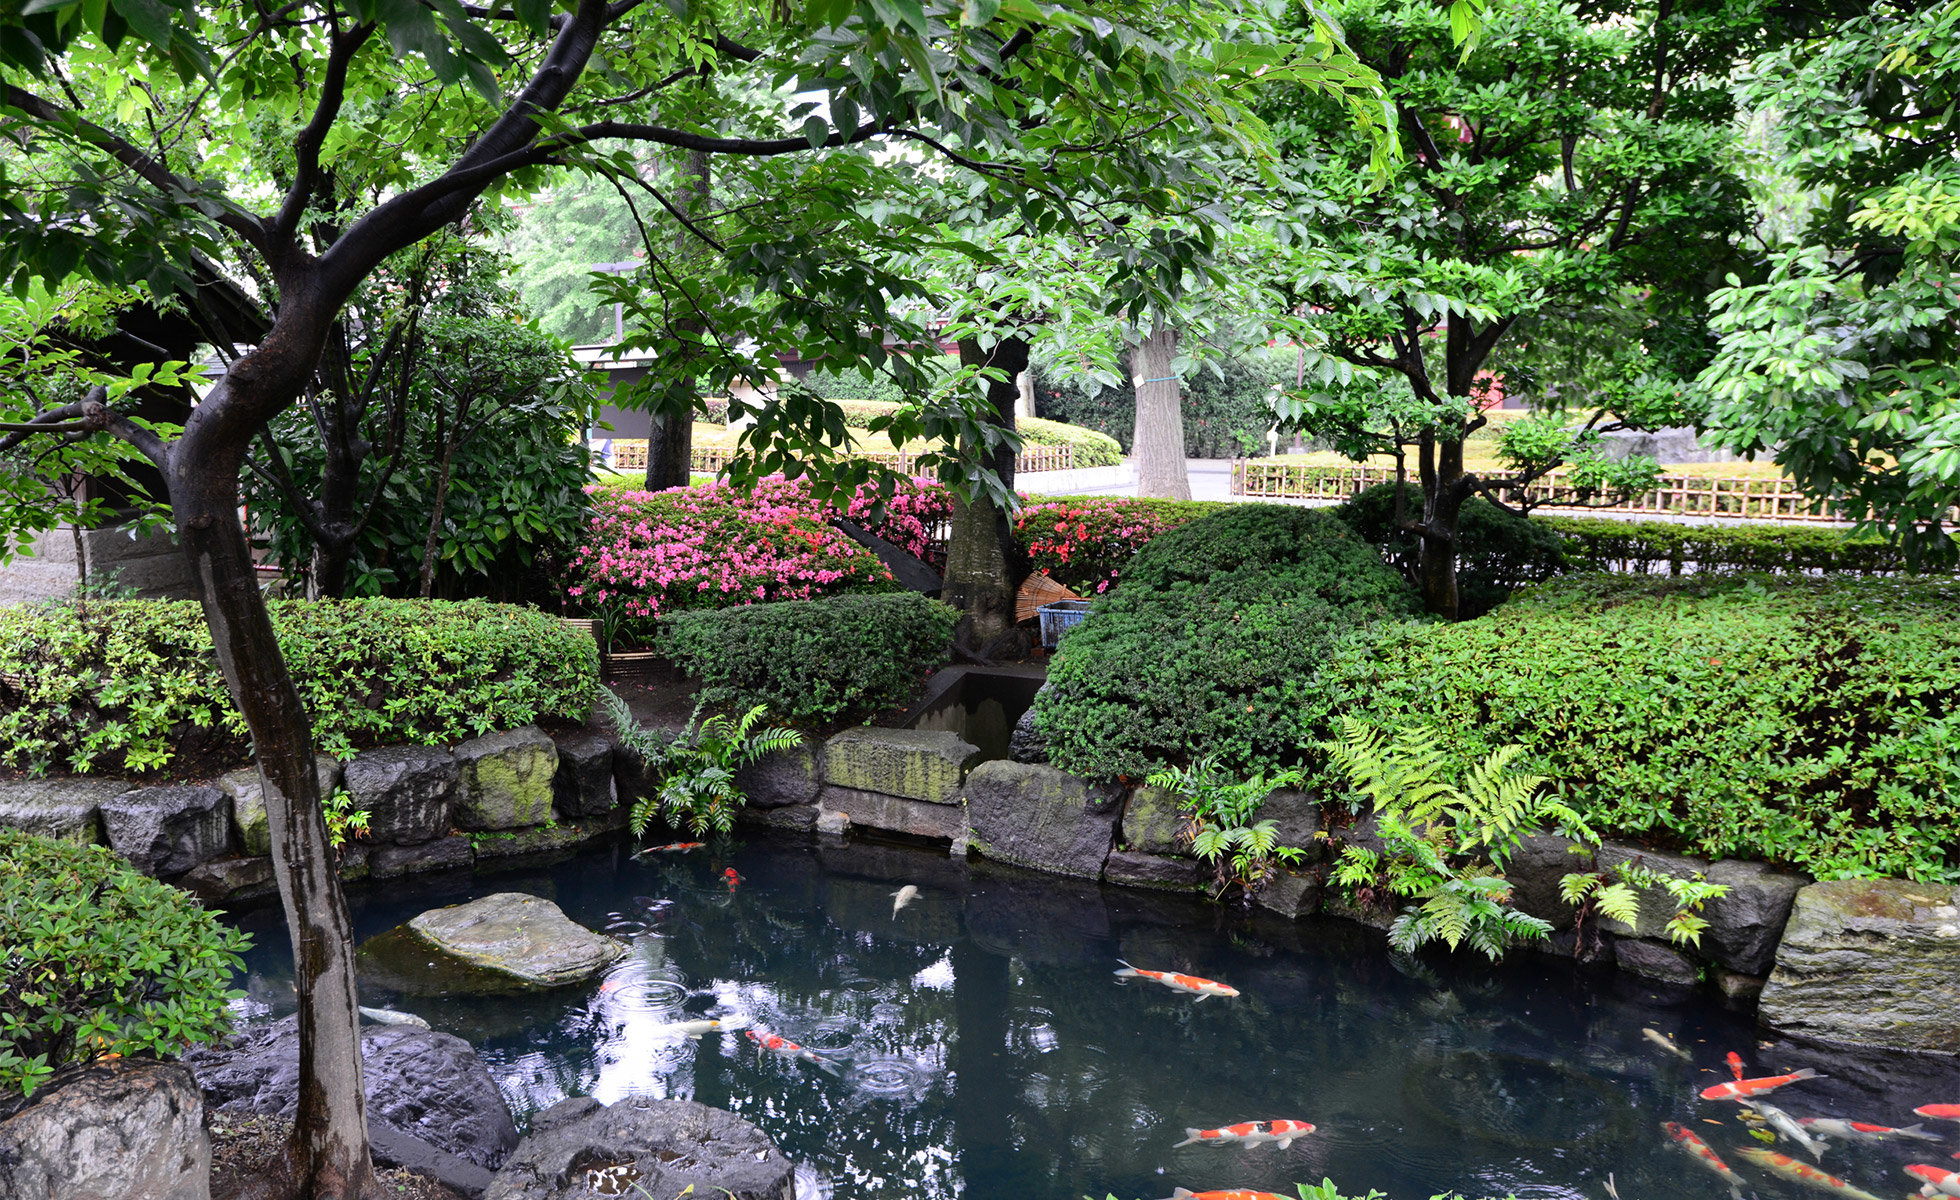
(1938, 1112)
(777, 1044)
(1248, 1134)
(1735, 1064)
(1234, 1194)
(1193, 984)
(1743, 1088)
(1858, 1131)
(1686, 1139)
(1935, 1181)
(1803, 1172)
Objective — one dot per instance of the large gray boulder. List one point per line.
(1535, 869)
(502, 943)
(782, 778)
(121, 1131)
(641, 1146)
(1870, 961)
(408, 792)
(507, 779)
(1745, 925)
(1027, 744)
(66, 809)
(583, 785)
(1036, 816)
(428, 1085)
(247, 792)
(1656, 960)
(166, 831)
(1153, 823)
(1291, 893)
(918, 764)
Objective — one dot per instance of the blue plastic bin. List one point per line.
(1060, 617)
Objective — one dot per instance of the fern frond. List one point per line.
(1575, 887)
(1618, 901)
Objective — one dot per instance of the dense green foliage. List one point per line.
(1497, 552)
(129, 685)
(1223, 806)
(813, 660)
(96, 958)
(1228, 404)
(1211, 644)
(1812, 721)
(693, 769)
(1664, 548)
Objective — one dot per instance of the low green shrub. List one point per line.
(129, 685)
(1810, 721)
(96, 959)
(1210, 646)
(1497, 552)
(813, 660)
(1664, 548)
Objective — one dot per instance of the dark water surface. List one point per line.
(987, 1051)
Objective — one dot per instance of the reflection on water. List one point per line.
(982, 1047)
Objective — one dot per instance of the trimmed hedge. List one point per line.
(1497, 552)
(1664, 548)
(1211, 644)
(813, 660)
(129, 685)
(99, 959)
(1092, 449)
(1809, 721)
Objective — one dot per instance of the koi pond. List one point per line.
(978, 1044)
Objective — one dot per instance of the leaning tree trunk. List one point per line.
(670, 435)
(328, 1156)
(984, 563)
(1159, 444)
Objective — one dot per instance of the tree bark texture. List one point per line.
(984, 563)
(670, 435)
(1445, 487)
(329, 1153)
(1159, 444)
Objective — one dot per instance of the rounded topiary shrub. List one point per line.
(130, 685)
(96, 959)
(1214, 651)
(1497, 552)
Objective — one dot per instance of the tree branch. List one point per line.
(306, 148)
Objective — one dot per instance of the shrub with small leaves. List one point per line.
(96, 959)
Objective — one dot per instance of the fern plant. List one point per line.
(1618, 898)
(693, 771)
(1445, 845)
(1221, 809)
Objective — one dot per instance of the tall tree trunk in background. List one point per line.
(1445, 487)
(984, 564)
(1159, 444)
(670, 435)
(328, 1156)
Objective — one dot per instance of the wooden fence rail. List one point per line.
(1673, 495)
(630, 454)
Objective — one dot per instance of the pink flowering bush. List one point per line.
(711, 546)
(1085, 542)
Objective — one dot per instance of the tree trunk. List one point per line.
(670, 436)
(984, 563)
(1159, 444)
(1445, 487)
(328, 1156)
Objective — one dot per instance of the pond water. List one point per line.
(983, 1048)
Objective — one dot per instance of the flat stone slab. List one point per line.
(918, 764)
(894, 814)
(1870, 961)
(501, 943)
(67, 809)
(645, 1147)
(507, 779)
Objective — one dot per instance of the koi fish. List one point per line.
(1234, 1194)
(1786, 1125)
(669, 848)
(695, 1030)
(903, 897)
(1939, 1112)
(1938, 1180)
(776, 1044)
(1686, 1139)
(1756, 1087)
(1735, 1064)
(1249, 1134)
(1198, 987)
(1858, 1131)
(1803, 1172)
(732, 877)
(388, 1016)
(1666, 1043)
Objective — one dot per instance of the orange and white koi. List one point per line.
(1234, 1194)
(1741, 1088)
(777, 1044)
(1248, 1134)
(1193, 984)
(1858, 1131)
(1936, 1181)
(1686, 1139)
(1939, 1112)
(1803, 1172)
